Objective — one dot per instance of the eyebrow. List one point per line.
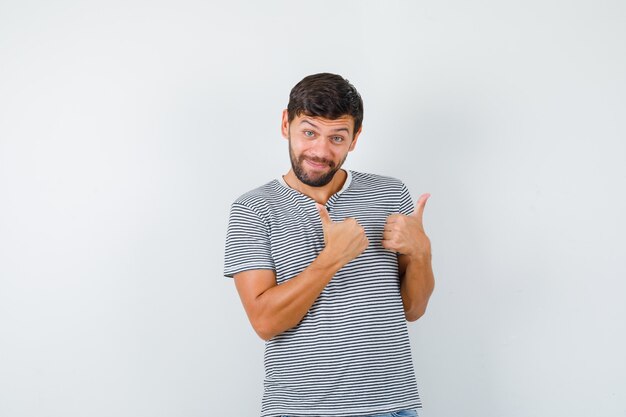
(339, 129)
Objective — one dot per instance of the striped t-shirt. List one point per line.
(350, 354)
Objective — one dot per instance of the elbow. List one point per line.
(266, 336)
(413, 314)
(263, 329)
(265, 323)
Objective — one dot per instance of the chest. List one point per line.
(297, 237)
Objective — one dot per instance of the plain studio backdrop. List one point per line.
(128, 127)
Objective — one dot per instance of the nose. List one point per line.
(321, 148)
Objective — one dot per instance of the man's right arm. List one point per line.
(274, 308)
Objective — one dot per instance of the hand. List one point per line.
(405, 234)
(345, 240)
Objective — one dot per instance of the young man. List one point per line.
(329, 265)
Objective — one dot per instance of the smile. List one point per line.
(316, 165)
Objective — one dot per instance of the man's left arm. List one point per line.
(405, 235)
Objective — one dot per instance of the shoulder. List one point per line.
(385, 190)
(261, 202)
(259, 196)
(368, 180)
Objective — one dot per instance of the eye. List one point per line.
(308, 133)
(337, 139)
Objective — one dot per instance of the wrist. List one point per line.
(328, 261)
(422, 258)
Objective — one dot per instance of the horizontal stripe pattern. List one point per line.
(350, 354)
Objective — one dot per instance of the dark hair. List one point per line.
(325, 95)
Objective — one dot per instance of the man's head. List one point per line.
(326, 95)
(322, 123)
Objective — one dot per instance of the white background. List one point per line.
(128, 127)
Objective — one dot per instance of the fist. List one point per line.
(405, 234)
(345, 239)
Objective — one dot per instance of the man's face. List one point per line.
(318, 147)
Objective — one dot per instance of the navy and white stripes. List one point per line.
(350, 354)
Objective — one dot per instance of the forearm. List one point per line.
(416, 286)
(283, 306)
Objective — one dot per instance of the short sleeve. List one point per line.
(406, 202)
(247, 242)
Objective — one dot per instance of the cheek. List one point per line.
(295, 145)
(298, 149)
(341, 156)
(304, 148)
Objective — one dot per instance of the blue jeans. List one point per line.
(401, 413)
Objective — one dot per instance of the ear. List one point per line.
(356, 136)
(284, 126)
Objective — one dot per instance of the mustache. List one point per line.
(317, 160)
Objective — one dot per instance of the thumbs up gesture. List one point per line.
(345, 240)
(405, 234)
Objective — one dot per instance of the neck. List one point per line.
(319, 194)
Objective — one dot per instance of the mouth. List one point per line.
(316, 165)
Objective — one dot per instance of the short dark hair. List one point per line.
(326, 95)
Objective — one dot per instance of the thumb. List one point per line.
(326, 220)
(419, 207)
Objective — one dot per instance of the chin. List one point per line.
(318, 180)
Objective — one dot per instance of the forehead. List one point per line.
(345, 122)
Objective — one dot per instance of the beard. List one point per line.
(310, 180)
